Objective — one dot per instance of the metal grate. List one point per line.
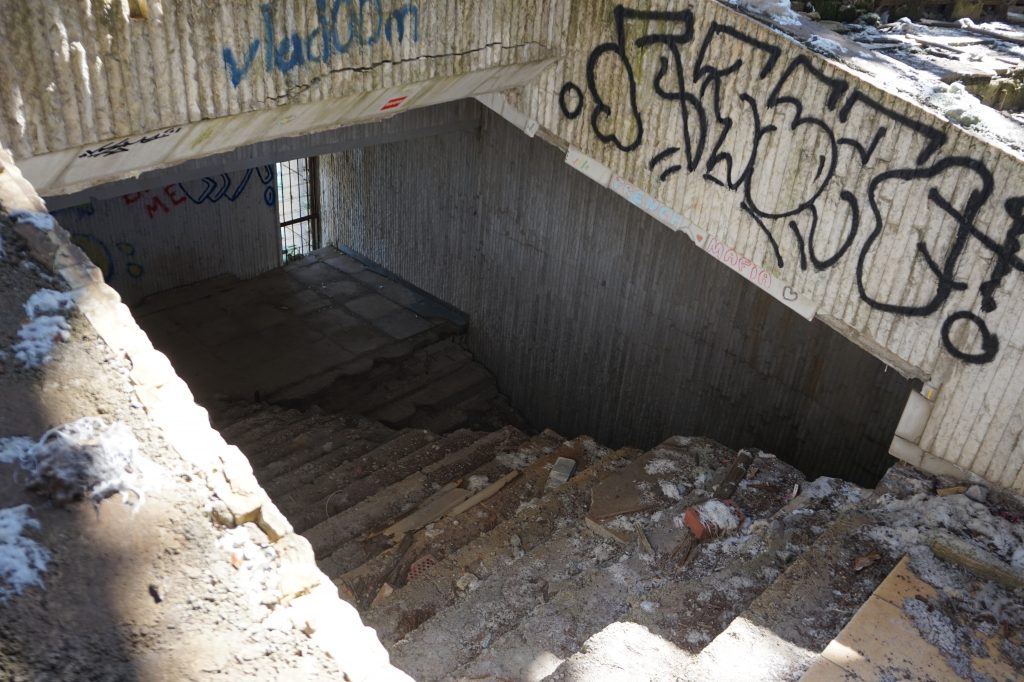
(298, 207)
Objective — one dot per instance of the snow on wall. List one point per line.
(902, 230)
(164, 237)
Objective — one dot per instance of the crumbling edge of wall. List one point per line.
(237, 497)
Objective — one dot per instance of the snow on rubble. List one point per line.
(22, 560)
(47, 311)
(37, 219)
(85, 458)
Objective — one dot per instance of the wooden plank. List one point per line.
(486, 493)
(607, 533)
(430, 511)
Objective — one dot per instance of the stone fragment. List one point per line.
(273, 522)
(298, 573)
(561, 472)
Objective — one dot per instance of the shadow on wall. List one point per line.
(597, 319)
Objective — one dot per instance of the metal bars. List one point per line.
(298, 207)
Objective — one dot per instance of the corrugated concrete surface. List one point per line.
(178, 233)
(902, 229)
(598, 319)
(97, 95)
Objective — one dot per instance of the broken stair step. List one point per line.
(498, 604)
(404, 379)
(328, 449)
(821, 590)
(310, 487)
(439, 395)
(383, 472)
(808, 604)
(272, 443)
(258, 432)
(693, 610)
(423, 510)
(290, 483)
(460, 415)
(530, 526)
(388, 505)
(308, 450)
(624, 652)
(454, 531)
(605, 593)
(256, 418)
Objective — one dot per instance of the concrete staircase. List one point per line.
(473, 563)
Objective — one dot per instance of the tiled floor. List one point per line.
(290, 331)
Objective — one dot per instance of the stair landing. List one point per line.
(291, 331)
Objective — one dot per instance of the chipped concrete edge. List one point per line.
(317, 609)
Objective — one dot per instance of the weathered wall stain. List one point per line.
(740, 106)
(342, 25)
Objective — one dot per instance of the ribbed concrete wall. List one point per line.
(900, 229)
(598, 319)
(178, 233)
(95, 95)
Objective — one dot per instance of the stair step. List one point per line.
(258, 431)
(256, 418)
(626, 652)
(697, 603)
(313, 450)
(302, 493)
(380, 472)
(390, 382)
(576, 582)
(388, 505)
(439, 395)
(352, 554)
(410, 606)
(450, 533)
(262, 446)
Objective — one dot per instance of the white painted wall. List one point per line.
(164, 237)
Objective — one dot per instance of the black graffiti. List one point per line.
(570, 109)
(121, 146)
(751, 121)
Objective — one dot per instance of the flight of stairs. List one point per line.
(521, 585)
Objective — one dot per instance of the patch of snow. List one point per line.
(959, 106)
(715, 513)
(37, 338)
(516, 459)
(670, 490)
(825, 46)
(778, 11)
(49, 302)
(476, 482)
(47, 311)
(42, 221)
(15, 449)
(659, 466)
(89, 458)
(22, 560)
(649, 606)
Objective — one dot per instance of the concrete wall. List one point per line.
(890, 224)
(155, 239)
(598, 319)
(96, 95)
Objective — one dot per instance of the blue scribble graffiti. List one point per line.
(341, 26)
(223, 186)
